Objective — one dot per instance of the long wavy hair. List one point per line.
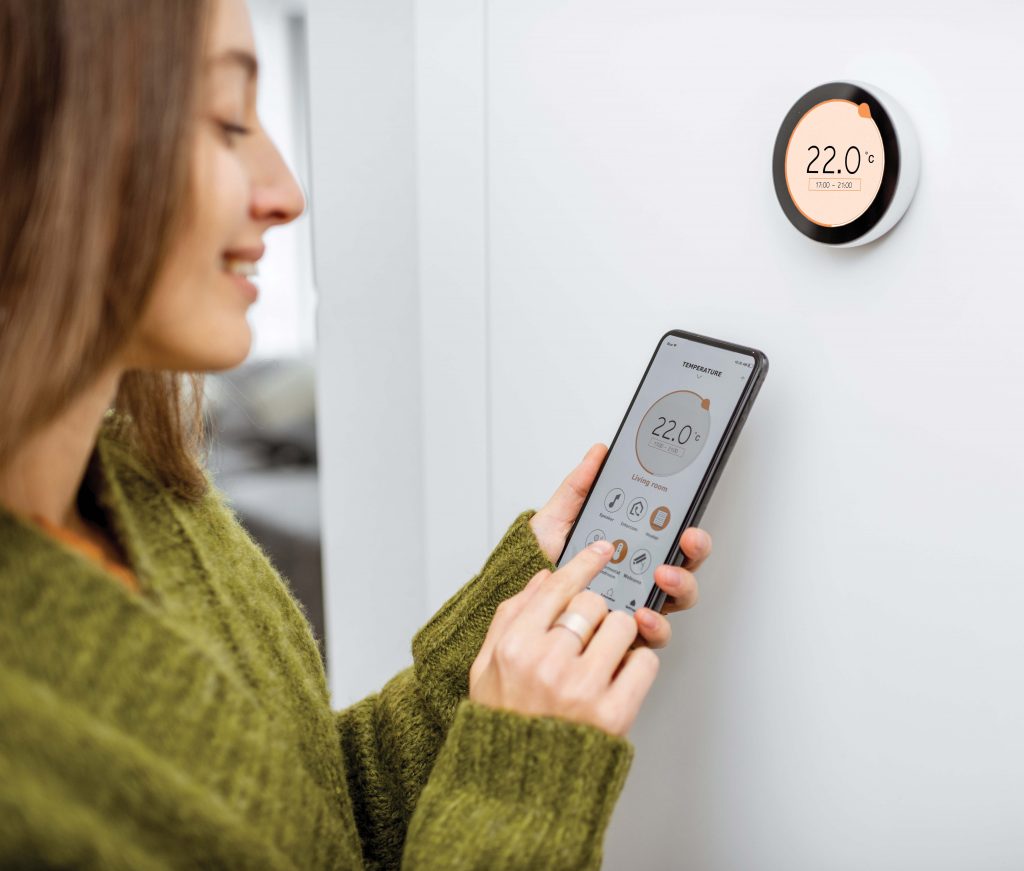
(97, 108)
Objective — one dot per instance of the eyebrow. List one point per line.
(241, 57)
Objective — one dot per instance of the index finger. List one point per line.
(557, 591)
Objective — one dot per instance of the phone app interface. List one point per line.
(657, 462)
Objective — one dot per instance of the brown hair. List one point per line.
(97, 101)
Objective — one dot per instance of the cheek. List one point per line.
(217, 214)
(222, 209)
(221, 192)
(196, 318)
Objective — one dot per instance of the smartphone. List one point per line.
(664, 462)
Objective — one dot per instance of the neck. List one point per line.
(46, 472)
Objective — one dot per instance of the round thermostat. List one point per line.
(846, 163)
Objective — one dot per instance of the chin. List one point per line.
(231, 355)
(212, 343)
(225, 350)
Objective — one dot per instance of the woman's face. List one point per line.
(195, 318)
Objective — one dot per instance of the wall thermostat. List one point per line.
(846, 163)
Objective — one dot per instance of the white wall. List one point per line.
(368, 351)
(590, 173)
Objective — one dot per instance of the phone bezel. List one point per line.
(656, 598)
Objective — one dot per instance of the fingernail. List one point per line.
(602, 547)
(646, 618)
(703, 540)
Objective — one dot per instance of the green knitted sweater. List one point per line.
(190, 726)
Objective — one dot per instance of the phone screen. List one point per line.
(656, 464)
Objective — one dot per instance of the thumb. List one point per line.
(565, 504)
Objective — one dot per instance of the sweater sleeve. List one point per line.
(448, 783)
(511, 792)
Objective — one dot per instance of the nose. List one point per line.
(277, 197)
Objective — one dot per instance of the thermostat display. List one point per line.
(845, 164)
(673, 432)
(834, 162)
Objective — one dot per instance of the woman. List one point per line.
(162, 701)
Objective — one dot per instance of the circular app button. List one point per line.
(673, 432)
(640, 562)
(660, 518)
(595, 535)
(637, 509)
(614, 500)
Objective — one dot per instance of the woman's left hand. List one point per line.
(551, 525)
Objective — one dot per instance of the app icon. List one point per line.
(660, 518)
(621, 549)
(637, 509)
(613, 500)
(640, 562)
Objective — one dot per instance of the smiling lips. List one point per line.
(240, 264)
(242, 261)
(245, 268)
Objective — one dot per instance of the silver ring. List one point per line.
(577, 624)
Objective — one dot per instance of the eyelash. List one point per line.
(230, 129)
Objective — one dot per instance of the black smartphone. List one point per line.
(664, 462)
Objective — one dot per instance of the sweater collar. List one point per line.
(140, 514)
(45, 579)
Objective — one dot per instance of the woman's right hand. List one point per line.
(529, 665)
